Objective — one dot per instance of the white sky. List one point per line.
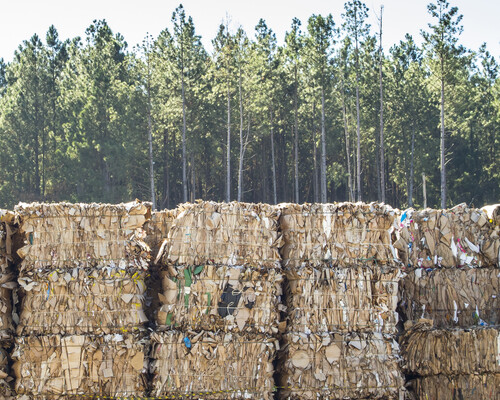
(20, 19)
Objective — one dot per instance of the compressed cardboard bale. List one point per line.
(60, 366)
(212, 365)
(452, 297)
(339, 366)
(444, 387)
(157, 229)
(223, 233)
(343, 234)
(82, 301)
(8, 231)
(460, 236)
(6, 381)
(428, 351)
(342, 299)
(65, 235)
(209, 297)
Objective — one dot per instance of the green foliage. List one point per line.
(74, 113)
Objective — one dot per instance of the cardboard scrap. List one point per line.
(6, 381)
(157, 229)
(452, 297)
(65, 235)
(210, 297)
(339, 366)
(232, 366)
(8, 238)
(223, 233)
(59, 366)
(428, 351)
(341, 234)
(460, 236)
(79, 301)
(470, 387)
(342, 299)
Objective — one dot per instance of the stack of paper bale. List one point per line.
(452, 363)
(341, 291)
(449, 295)
(8, 229)
(81, 317)
(220, 302)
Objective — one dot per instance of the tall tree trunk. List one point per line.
(442, 147)
(323, 148)
(228, 154)
(166, 180)
(296, 140)
(315, 156)
(273, 161)
(347, 145)
(382, 156)
(184, 155)
(193, 178)
(412, 163)
(358, 132)
(240, 163)
(150, 140)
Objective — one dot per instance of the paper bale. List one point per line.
(60, 366)
(428, 351)
(339, 366)
(460, 236)
(466, 387)
(6, 381)
(64, 235)
(342, 299)
(82, 301)
(223, 233)
(157, 229)
(342, 234)
(212, 365)
(452, 297)
(209, 297)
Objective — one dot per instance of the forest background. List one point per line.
(326, 116)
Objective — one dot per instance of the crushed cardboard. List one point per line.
(6, 381)
(343, 234)
(8, 230)
(362, 299)
(460, 236)
(452, 297)
(467, 387)
(65, 235)
(339, 366)
(82, 301)
(427, 351)
(157, 229)
(193, 364)
(61, 366)
(210, 297)
(223, 233)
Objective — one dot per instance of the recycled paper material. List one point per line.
(223, 233)
(339, 366)
(342, 299)
(59, 366)
(213, 366)
(228, 298)
(157, 229)
(342, 234)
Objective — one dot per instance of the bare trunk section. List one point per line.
(166, 181)
(151, 162)
(358, 132)
(382, 155)
(442, 144)
(412, 171)
(347, 146)
(296, 141)
(273, 161)
(184, 155)
(228, 154)
(323, 148)
(315, 157)
(242, 154)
